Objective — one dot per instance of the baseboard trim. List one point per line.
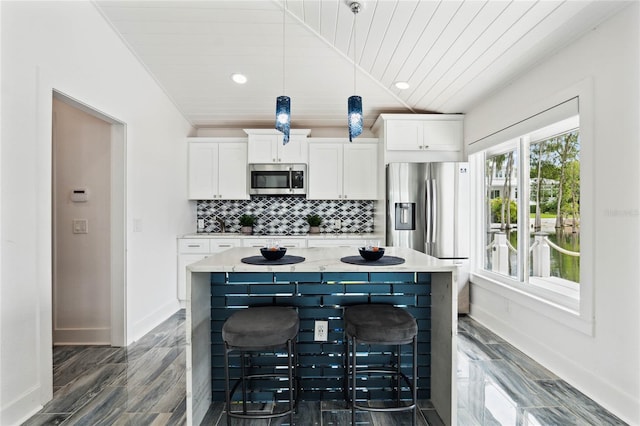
(13, 413)
(625, 406)
(81, 336)
(149, 322)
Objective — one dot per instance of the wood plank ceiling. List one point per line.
(452, 53)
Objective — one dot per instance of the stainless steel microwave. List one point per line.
(277, 179)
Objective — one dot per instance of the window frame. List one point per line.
(562, 306)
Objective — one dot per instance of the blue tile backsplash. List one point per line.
(286, 215)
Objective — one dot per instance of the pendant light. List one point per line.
(354, 104)
(283, 103)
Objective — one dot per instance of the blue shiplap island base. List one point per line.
(321, 296)
(319, 288)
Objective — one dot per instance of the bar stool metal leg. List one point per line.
(354, 386)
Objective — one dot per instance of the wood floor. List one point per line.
(144, 384)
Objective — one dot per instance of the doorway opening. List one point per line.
(88, 223)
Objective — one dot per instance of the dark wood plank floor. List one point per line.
(144, 384)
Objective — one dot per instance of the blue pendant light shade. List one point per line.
(354, 109)
(354, 104)
(283, 117)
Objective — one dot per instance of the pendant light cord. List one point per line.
(355, 12)
(284, 16)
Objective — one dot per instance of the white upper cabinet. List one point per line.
(265, 147)
(217, 169)
(343, 171)
(436, 132)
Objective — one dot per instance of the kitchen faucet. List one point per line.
(221, 224)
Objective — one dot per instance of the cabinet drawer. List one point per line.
(220, 244)
(193, 245)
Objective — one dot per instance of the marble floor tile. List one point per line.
(144, 384)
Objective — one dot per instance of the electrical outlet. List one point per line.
(336, 224)
(320, 331)
(200, 223)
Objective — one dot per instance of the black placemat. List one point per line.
(383, 261)
(284, 260)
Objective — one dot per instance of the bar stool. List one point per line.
(258, 329)
(383, 325)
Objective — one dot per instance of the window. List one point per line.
(532, 209)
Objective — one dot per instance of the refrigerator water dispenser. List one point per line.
(405, 216)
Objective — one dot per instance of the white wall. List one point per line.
(82, 262)
(605, 365)
(68, 46)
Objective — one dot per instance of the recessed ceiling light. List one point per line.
(402, 85)
(239, 78)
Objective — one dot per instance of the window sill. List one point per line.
(561, 306)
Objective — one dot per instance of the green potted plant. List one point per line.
(314, 222)
(246, 223)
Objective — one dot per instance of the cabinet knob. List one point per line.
(273, 160)
(426, 147)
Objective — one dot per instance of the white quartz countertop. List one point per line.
(324, 236)
(320, 259)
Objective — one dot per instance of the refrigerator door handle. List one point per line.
(427, 214)
(434, 211)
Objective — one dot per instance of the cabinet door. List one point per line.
(296, 151)
(263, 149)
(404, 135)
(443, 135)
(203, 173)
(360, 172)
(325, 171)
(232, 171)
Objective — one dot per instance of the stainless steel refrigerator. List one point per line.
(428, 210)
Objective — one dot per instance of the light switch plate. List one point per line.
(80, 226)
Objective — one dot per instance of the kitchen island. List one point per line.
(319, 287)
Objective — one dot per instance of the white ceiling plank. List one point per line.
(389, 45)
(418, 40)
(451, 58)
(506, 20)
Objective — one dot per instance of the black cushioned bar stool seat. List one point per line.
(260, 329)
(384, 325)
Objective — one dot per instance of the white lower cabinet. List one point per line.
(191, 250)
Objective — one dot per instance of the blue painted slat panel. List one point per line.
(408, 300)
(321, 361)
(368, 288)
(345, 300)
(299, 302)
(423, 277)
(323, 288)
(424, 300)
(272, 288)
(345, 276)
(223, 290)
(408, 288)
(218, 277)
(250, 277)
(320, 313)
(248, 301)
(310, 277)
(389, 277)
